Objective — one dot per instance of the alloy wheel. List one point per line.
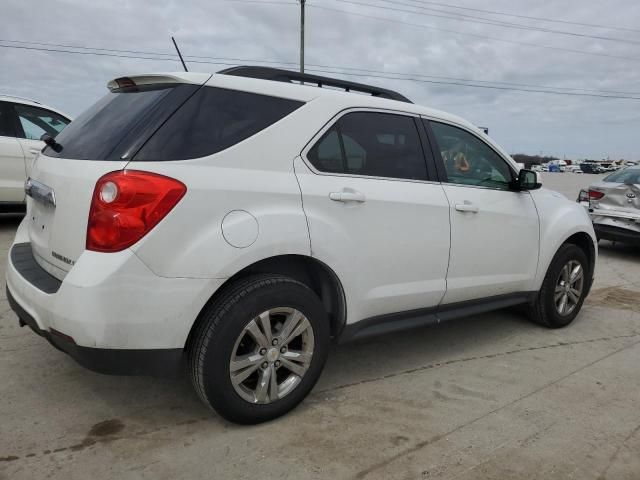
(271, 355)
(569, 287)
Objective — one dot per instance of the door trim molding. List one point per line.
(422, 317)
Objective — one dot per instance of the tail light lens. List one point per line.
(126, 205)
(595, 195)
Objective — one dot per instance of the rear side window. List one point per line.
(211, 121)
(371, 144)
(37, 121)
(120, 122)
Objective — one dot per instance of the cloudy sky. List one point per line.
(415, 42)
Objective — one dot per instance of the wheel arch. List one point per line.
(585, 242)
(316, 275)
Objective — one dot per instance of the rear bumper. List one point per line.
(110, 312)
(617, 226)
(617, 234)
(154, 362)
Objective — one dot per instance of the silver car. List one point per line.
(614, 206)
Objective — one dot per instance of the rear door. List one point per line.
(494, 230)
(32, 123)
(99, 141)
(12, 164)
(374, 214)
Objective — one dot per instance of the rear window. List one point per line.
(119, 123)
(212, 120)
(628, 175)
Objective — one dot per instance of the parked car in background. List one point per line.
(557, 166)
(22, 123)
(590, 167)
(234, 224)
(614, 206)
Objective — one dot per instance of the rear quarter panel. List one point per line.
(256, 176)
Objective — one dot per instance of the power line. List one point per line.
(480, 20)
(389, 77)
(527, 17)
(475, 35)
(233, 60)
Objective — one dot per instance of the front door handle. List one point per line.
(467, 207)
(34, 151)
(347, 196)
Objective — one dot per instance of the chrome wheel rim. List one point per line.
(569, 287)
(271, 355)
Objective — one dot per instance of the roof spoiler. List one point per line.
(158, 78)
(280, 75)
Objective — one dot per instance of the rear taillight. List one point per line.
(126, 205)
(595, 195)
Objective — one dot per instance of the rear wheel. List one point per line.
(260, 348)
(563, 289)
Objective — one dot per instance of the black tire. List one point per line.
(221, 323)
(543, 310)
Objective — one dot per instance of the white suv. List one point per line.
(22, 123)
(236, 223)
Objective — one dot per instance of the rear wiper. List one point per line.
(50, 141)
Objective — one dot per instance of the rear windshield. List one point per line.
(212, 120)
(118, 124)
(628, 175)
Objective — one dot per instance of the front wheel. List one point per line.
(563, 290)
(260, 348)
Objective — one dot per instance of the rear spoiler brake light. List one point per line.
(158, 78)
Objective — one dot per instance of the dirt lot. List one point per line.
(490, 396)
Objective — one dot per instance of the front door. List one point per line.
(374, 216)
(494, 230)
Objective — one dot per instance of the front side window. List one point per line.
(371, 144)
(468, 160)
(36, 121)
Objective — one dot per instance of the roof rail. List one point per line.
(279, 75)
(19, 98)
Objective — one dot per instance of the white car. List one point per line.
(236, 223)
(22, 123)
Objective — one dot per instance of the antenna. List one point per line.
(179, 54)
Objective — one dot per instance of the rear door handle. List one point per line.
(347, 197)
(467, 207)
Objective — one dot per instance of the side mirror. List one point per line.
(527, 180)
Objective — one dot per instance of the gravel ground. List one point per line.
(489, 396)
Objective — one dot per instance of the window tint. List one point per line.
(371, 144)
(36, 121)
(120, 122)
(212, 120)
(6, 121)
(468, 160)
(627, 175)
(326, 155)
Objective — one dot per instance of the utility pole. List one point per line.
(302, 2)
